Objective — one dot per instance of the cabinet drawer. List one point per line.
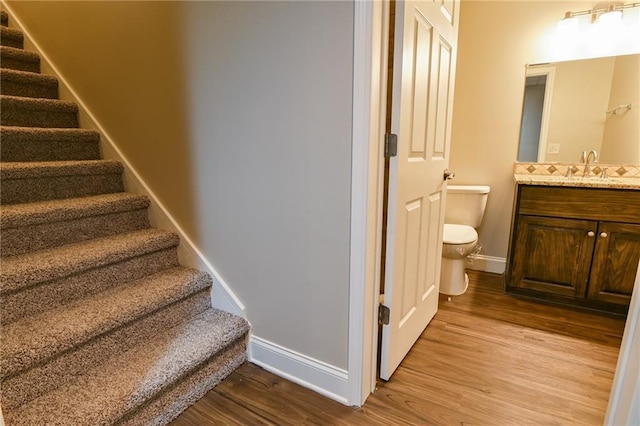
(617, 205)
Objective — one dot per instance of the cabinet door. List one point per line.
(615, 262)
(553, 255)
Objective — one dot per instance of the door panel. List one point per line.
(616, 253)
(424, 68)
(434, 247)
(553, 255)
(410, 273)
(444, 98)
(448, 9)
(423, 33)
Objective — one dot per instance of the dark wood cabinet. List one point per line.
(612, 272)
(577, 246)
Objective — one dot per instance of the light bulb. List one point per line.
(568, 27)
(610, 18)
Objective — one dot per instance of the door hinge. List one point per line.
(383, 315)
(390, 145)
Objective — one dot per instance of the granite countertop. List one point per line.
(588, 182)
(619, 176)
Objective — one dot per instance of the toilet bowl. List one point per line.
(458, 242)
(463, 213)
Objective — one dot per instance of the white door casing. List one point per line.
(424, 70)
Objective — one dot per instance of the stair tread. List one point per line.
(8, 32)
(27, 77)
(11, 33)
(15, 215)
(16, 53)
(36, 338)
(28, 269)
(38, 104)
(112, 390)
(16, 133)
(31, 169)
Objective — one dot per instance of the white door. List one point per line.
(424, 69)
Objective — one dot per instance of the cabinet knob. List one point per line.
(603, 234)
(591, 233)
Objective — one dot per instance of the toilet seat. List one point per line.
(459, 234)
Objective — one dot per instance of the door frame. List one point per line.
(371, 27)
(624, 399)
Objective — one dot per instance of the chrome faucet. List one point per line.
(583, 157)
(591, 158)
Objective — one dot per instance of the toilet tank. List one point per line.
(466, 204)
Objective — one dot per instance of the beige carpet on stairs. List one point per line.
(100, 324)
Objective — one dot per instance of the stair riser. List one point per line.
(4, 19)
(12, 41)
(32, 383)
(174, 400)
(19, 65)
(29, 90)
(37, 237)
(25, 117)
(29, 190)
(56, 292)
(12, 151)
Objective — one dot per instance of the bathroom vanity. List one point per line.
(575, 242)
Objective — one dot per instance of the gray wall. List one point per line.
(272, 160)
(238, 117)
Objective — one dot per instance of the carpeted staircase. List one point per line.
(99, 322)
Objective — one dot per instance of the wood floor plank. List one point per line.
(486, 359)
(520, 344)
(473, 404)
(318, 410)
(494, 385)
(215, 409)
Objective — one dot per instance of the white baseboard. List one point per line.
(496, 265)
(221, 295)
(320, 377)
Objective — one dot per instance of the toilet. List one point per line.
(463, 214)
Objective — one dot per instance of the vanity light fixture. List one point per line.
(569, 24)
(611, 16)
(609, 13)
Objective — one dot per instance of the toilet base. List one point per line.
(453, 280)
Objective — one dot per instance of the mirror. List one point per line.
(582, 105)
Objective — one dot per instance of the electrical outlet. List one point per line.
(553, 148)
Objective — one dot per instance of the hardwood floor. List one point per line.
(485, 359)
